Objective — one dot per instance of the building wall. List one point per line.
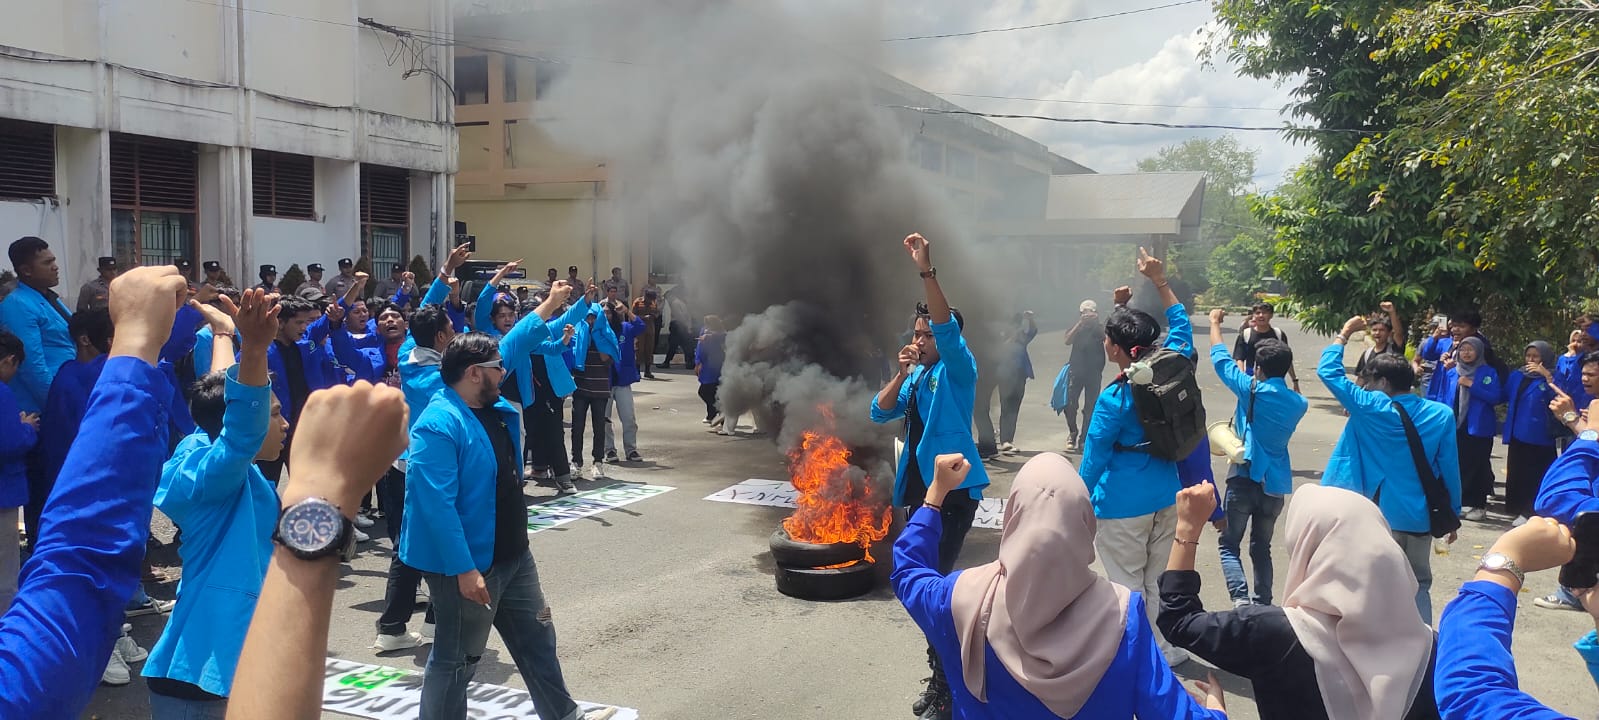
(295, 76)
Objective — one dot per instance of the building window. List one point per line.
(385, 215)
(283, 185)
(153, 200)
(471, 79)
(960, 163)
(545, 74)
(27, 160)
(929, 154)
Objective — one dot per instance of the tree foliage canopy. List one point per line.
(1229, 169)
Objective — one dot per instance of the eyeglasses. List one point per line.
(494, 364)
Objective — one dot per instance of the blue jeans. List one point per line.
(165, 707)
(462, 631)
(1248, 505)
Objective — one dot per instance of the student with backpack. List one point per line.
(1146, 420)
(1257, 329)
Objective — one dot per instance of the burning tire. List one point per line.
(834, 583)
(793, 553)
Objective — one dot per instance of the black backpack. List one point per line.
(1169, 406)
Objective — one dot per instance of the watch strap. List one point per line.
(342, 544)
(929, 273)
(1505, 564)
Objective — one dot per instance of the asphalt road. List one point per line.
(668, 605)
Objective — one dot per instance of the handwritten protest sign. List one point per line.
(567, 508)
(385, 693)
(780, 493)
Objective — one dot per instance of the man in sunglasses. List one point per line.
(934, 390)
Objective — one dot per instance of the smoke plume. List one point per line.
(762, 160)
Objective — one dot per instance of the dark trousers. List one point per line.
(646, 347)
(527, 439)
(983, 417)
(546, 439)
(1525, 467)
(40, 483)
(708, 394)
(1011, 391)
(1084, 385)
(399, 597)
(959, 511)
(593, 409)
(677, 338)
(1476, 469)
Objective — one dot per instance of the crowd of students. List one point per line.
(1037, 633)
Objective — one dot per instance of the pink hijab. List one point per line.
(1053, 623)
(1351, 598)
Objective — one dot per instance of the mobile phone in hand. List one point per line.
(1583, 570)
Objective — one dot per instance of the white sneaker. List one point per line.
(1007, 448)
(128, 650)
(600, 714)
(1519, 521)
(363, 522)
(391, 643)
(724, 431)
(362, 537)
(116, 671)
(1473, 514)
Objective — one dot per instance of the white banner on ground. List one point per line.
(780, 493)
(567, 508)
(385, 693)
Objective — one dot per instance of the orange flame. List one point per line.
(833, 503)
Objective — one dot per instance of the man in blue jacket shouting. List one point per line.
(934, 391)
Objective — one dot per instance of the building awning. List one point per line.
(1095, 208)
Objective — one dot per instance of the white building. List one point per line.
(241, 131)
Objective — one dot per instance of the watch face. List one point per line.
(311, 525)
(1494, 562)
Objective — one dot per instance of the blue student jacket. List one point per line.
(43, 331)
(185, 323)
(1571, 486)
(17, 440)
(1127, 483)
(1476, 674)
(1278, 410)
(624, 366)
(227, 510)
(1527, 417)
(55, 638)
(448, 526)
(320, 372)
(1568, 375)
(603, 336)
(945, 393)
(531, 335)
(1138, 681)
(1587, 646)
(1372, 456)
(1432, 350)
(710, 354)
(64, 409)
(1485, 394)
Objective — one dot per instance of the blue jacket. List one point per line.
(1125, 483)
(945, 393)
(710, 353)
(1278, 410)
(603, 336)
(1476, 674)
(1571, 487)
(1432, 350)
(69, 401)
(16, 442)
(320, 372)
(1138, 680)
(531, 335)
(1487, 392)
(185, 324)
(624, 366)
(1015, 362)
(55, 638)
(43, 331)
(1527, 419)
(227, 510)
(1587, 646)
(1568, 376)
(448, 527)
(1372, 456)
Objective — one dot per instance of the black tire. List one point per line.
(793, 553)
(838, 583)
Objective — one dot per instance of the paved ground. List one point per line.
(668, 605)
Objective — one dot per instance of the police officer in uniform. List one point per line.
(342, 282)
(312, 287)
(96, 293)
(269, 278)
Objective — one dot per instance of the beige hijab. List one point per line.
(1351, 598)
(1053, 623)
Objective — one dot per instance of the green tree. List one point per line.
(292, 279)
(1229, 169)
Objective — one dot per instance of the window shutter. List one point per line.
(27, 160)
(385, 196)
(283, 185)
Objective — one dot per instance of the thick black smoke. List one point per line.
(763, 161)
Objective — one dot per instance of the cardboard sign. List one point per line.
(568, 508)
(385, 693)
(781, 493)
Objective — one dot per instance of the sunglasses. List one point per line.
(494, 364)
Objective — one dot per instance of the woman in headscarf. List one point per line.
(1472, 387)
(1037, 633)
(1529, 428)
(1346, 644)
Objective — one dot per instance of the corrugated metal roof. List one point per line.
(1133, 196)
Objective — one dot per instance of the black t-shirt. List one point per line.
(1393, 348)
(510, 511)
(1088, 345)
(915, 427)
(1248, 338)
(294, 370)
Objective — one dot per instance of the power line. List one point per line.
(1043, 25)
(1101, 121)
(1105, 102)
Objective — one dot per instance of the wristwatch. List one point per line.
(929, 273)
(1494, 562)
(314, 528)
(1590, 435)
(1569, 417)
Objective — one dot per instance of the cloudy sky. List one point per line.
(1149, 58)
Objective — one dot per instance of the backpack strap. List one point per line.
(1432, 488)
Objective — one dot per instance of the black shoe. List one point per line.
(935, 687)
(940, 709)
(612, 458)
(634, 457)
